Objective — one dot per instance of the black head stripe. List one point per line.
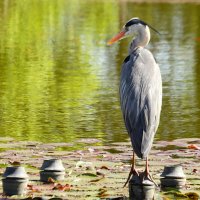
(134, 21)
(138, 21)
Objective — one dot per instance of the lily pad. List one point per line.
(99, 172)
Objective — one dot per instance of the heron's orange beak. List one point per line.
(116, 38)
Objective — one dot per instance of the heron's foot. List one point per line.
(146, 178)
(133, 172)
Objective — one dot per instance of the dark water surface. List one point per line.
(59, 80)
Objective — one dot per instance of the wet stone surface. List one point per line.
(99, 172)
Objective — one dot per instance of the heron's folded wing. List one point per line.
(139, 104)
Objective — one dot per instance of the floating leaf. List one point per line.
(194, 170)
(104, 167)
(61, 187)
(33, 189)
(175, 156)
(30, 187)
(193, 146)
(51, 180)
(89, 174)
(100, 173)
(96, 180)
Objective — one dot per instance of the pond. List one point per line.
(59, 80)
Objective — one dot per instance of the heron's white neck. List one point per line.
(142, 38)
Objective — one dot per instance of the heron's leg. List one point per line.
(132, 171)
(146, 174)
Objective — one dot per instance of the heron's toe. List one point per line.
(146, 179)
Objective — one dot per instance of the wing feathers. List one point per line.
(140, 95)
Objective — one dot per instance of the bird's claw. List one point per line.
(131, 173)
(146, 178)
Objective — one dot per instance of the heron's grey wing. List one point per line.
(140, 95)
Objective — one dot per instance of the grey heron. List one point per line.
(140, 92)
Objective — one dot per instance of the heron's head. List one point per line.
(131, 28)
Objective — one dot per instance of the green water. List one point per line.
(59, 80)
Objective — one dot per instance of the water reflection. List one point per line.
(141, 190)
(58, 78)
